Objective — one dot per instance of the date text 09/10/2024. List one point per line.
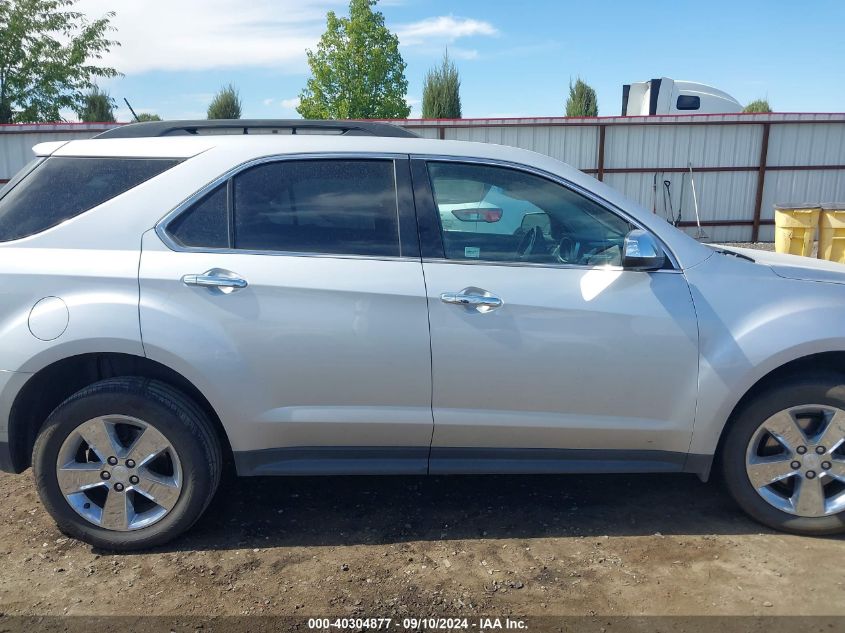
(417, 624)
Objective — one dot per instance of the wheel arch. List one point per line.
(822, 361)
(52, 384)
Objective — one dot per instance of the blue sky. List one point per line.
(515, 59)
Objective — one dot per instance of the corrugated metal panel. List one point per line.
(427, 132)
(783, 187)
(678, 145)
(577, 146)
(821, 144)
(721, 196)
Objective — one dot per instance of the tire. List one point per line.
(193, 453)
(825, 389)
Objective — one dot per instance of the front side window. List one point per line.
(60, 188)
(344, 207)
(499, 214)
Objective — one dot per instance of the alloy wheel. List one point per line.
(119, 473)
(796, 460)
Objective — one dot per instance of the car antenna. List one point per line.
(131, 110)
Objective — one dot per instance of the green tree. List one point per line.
(582, 100)
(226, 104)
(442, 91)
(97, 106)
(357, 71)
(148, 116)
(48, 58)
(758, 105)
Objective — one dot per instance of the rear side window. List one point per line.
(61, 188)
(205, 224)
(330, 206)
(344, 207)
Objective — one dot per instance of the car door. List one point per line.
(291, 294)
(548, 356)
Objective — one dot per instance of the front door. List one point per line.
(547, 356)
(287, 295)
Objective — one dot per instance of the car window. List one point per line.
(345, 207)
(61, 188)
(504, 215)
(688, 102)
(205, 223)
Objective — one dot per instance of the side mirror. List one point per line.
(642, 251)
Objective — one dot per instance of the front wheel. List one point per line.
(126, 463)
(784, 456)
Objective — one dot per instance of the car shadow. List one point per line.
(303, 511)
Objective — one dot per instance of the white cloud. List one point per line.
(290, 104)
(205, 34)
(268, 102)
(219, 34)
(442, 28)
(463, 53)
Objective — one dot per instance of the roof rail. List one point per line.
(243, 126)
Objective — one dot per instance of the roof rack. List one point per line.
(243, 126)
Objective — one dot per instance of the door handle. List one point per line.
(216, 279)
(474, 298)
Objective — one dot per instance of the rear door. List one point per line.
(546, 354)
(292, 295)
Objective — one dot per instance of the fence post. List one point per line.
(761, 180)
(600, 174)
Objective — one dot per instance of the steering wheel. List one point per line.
(529, 242)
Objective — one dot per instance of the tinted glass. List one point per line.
(345, 207)
(688, 102)
(205, 223)
(503, 215)
(62, 188)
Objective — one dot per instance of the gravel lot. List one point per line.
(563, 545)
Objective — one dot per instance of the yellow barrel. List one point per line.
(832, 232)
(795, 228)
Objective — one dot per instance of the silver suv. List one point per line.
(288, 300)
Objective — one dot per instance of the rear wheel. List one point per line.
(784, 456)
(126, 463)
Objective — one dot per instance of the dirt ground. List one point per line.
(615, 545)
(395, 546)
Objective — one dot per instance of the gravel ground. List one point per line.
(563, 545)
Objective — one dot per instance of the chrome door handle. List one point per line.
(216, 279)
(476, 298)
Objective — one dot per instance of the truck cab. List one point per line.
(668, 96)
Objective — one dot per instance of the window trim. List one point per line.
(424, 159)
(406, 242)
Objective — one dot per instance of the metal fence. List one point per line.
(742, 164)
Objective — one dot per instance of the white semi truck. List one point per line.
(668, 96)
